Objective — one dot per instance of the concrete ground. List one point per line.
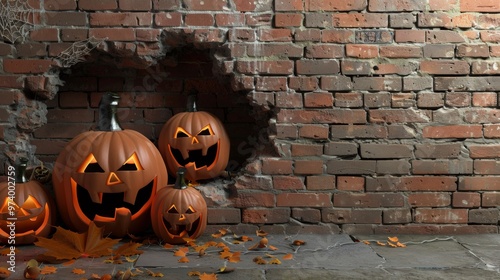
(335, 256)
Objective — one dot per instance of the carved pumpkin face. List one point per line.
(31, 207)
(197, 141)
(178, 213)
(109, 177)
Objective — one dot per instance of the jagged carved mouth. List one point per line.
(181, 231)
(196, 156)
(112, 201)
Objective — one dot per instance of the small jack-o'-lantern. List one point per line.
(179, 212)
(195, 140)
(26, 209)
(108, 176)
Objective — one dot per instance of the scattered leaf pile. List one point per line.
(392, 242)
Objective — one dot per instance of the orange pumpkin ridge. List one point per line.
(108, 176)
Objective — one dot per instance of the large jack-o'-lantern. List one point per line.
(26, 208)
(195, 140)
(109, 176)
(179, 212)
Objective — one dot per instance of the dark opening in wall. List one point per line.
(149, 97)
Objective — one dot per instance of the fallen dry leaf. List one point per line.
(393, 239)
(261, 233)
(366, 242)
(259, 260)
(181, 252)
(6, 251)
(381, 243)
(235, 257)
(168, 246)
(183, 260)
(78, 271)
(271, 247)
(225, 269)
(288, 257)
(128, 249)
(154, 274)
(399, 244)
(66, 244)
(225, 254)
(4, 272)
(194, 273)
(275, 261)
(205, 276)
(48, 270)
(391, 244)
(299, 242)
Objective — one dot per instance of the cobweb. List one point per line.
(77, 51)
(14, 20)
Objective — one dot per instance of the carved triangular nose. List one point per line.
(113, 179)
(195, 140)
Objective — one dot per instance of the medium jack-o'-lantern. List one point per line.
(109, 176)
(26, 209)
(195, 140)
(179, 212)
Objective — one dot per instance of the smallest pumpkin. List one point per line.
(178, 212)
(28, 205)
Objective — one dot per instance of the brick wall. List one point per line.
(371, 115)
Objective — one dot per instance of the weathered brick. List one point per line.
(458, 99)
(361, 50)
(33, 66)
(396, 6)
(314, 131)
(490, 199)
(412, 183)
(306, 215)
(381, 151)
(288, 20)
(300, 150)
(399, 131)
(275, 49)
(409, 36)
(356, 131)
(320, 182)
(437, 167)
(274, 35)
(276, 166)
(453, 131)
(263, 67)
(439, 50)
(401, 51)
(429, 199)
(334, 5)
(351, 167)
(491, 131)
(324, 51)
(318, 100)
(484, 216)
(322, 116)
(395, 167)
(168, 19)
(403, 100)
(289, 5)
(484, 99)
(336, 83)
(479, 6)
(445, 67)
(350, 183)
(368, 200)
(303, 200)
(370, 36)
(66, 18)
(430, 100)
(412, 83)
(399, 116)
(120, 19)
(485, 183)
(442, 5)
(338, 36)
(271, 83)
(113, 34)
(59, 5)
(223, 216)
(230, 20)
(402, 20)
(254, 199)
(351, 216)
(396, 216)
(377, 100)
(357, 20)
(431, 150)
(441, 216)
(434, 20)
(341, 149)
(317, 67)
(348, 100)
(355, 67)
(478, 151)
(485, 68)
(490, 36)
(266, 216)
(31, 50)
(378, 83)
(443, 36)
(97, 5)
(288, 183)
(466, 200)
(308, 167)
(73, 35)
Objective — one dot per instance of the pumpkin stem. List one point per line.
(191, 102)
(180, 181)
(107, 113)
(21, 171)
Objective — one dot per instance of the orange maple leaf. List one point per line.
(67, 245)
(78, 271)
(205, 276)
(128, 249)
(48, 270)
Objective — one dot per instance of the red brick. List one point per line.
(306, 215)
(442, 5)
(485, 68)
(230, 20)
(495, 51)
(132, 5)
(168, 19)
(120, 19)
(45, 35)
(305, 84)
(484, 151)
(320, 182)
(99, 5)
(63, 131)
(441, 216)
(351, 167)
(466, 200)
(396, 6)
(409, 36)
(368, 200)
(337, 36)
(401, 51)
(383, 151)
(288, 20)
(492, 131)
(348, 99)
(271, 83)
(479, 6)
(458, 99)
(197, 5)
(147, 35)
(314, 131)
(300, 150)
(31, 50)
(199, 20)
(287, 5)
(351, 216)
(164, 5)
(396, 216)
(357, 131)
(490, 199)
(361, 51)
(322, 116)
(274, 35)
(333, 5)
(59, 5)
(11, 81)
(66, 18)
(73, 100)
(429, 199)
(439, 50)
(254, 199)
(263, 67)
(484, 183)
(445, 67)
(412, 183)
(276, 167)
(360, 20)
(484, 99)
(443, 36)
(402, 20)
(266, 216)
(73, 35)
(275, 49)
(337, 83)
(317, 67)
(490, 36)
(303, 200)
(309, 167)
(435, 229)
(350, 183)
(318, 99)
(310, 34)
(453, 131)
(48, 146)
(378, 83)
(33, 66)
(435, 20)
(113, 34)
(324, 51)
(437, 167)
(288, 183)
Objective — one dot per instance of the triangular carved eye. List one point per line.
(90, 165)
(31, 203)
(190, 210)
(132, 164)
(172, 210)
(207, 130)
(181, 133)
(8, 202)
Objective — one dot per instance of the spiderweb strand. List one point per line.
(14, 20)
(77, 51)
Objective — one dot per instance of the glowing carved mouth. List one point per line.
(181, 231)
(112, 203)
(196, 157)
(31, 221)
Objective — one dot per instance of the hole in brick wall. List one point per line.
(149, 97)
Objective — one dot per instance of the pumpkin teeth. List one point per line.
(96, 196)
